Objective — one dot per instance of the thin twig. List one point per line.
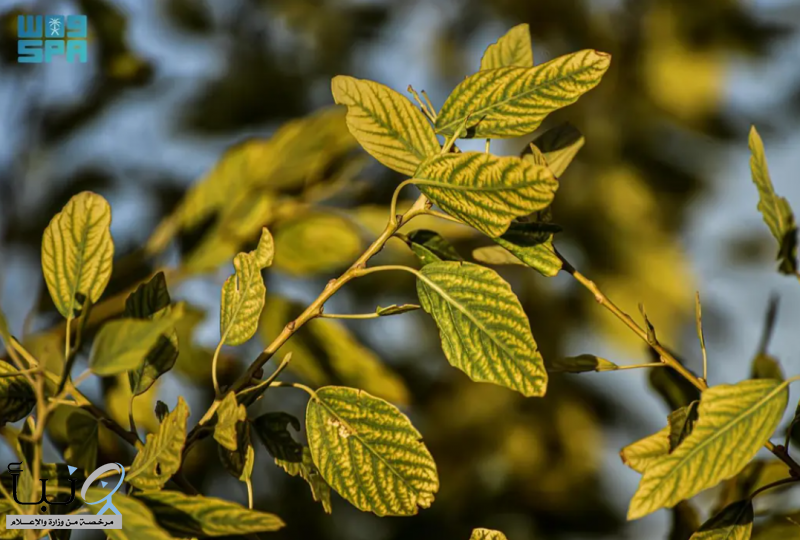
(778, 483)
(700, 335)
(640, 366)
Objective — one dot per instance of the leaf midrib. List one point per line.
(496, 104)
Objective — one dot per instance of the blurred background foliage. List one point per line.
(203, 120)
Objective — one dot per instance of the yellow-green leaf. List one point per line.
(77, 252)
(512, 50)
(160, 457)
(487, 534)
(681, 424)
(386, 124)
(430, 246)
(735, 522)
(580, 364)
(187, 516)
(306, 469)
(123, 345)
(138, 522)
(558, 146)
(766, 367)
(775, 210)
(82, 441)
(526, 243)
(513, 101)
(484, 330)
(242, 300)
(369, 452)
(265, 250)
(315, 242)
(734, 422)
(641, 454)
(486, 191)
(239, 462)
(229, 414)
(17, 397)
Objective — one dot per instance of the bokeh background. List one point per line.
(659, 204)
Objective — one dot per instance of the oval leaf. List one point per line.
(557, 146)
(17, 397)
(483, 329)
(160, 457)
(82, 441)
(187, 516)
(513, 101)
(316, 242)
(430, 246)
(138, 522)
(580, 364)
(77, 252)
(123, 345)
(229, 414)
(734, 422)
(486, 191)
(487, 534)
(243, 296)
(369, 452)
(385, 123)
(735, 522)
(531, 243)
(641, 454)
(512, 50)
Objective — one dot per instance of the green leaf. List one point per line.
(78, 252)
(681, 424)
(558, 146)
(148, 298)
(394, 309)
(238, 463)
(229, 414)
(315, 242)
(775, 210)
(735, 522)
(264, 253)
(17, 398)
(187, 516)
(514, 49)
(513, 101)
(369, 452)
(160, 457)
(734, 422)
(641, 454)
(526, 243)
(431, 247)
(676, 391)
(580, 364)
(766, 366)
(484, 331)
(82, 441)
(385, 123)
(306, 469)
(487, 534)
(486, 191)
(138, 522)
(243, 296)
(124, 344)
(273, 430)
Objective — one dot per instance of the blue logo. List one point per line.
(42, 38)
(116, 467)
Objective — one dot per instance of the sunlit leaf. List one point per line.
(526, 243)
(487, 534)
(82, 441)
(483, 328)
(237, 463)
(735, 522)
(734, 422)
(644, 452)
(187, 516)
(681, 424)
(580, 364)
(77, 252)
(122, 345)
(17, 397)
(273, 430)
(315, 242)
(243, 296)
(486, 191)
(306, 469)
(138, 522)
(160, 457)
(430, 247)
(512, 50)
(229, 414)
(775, 209)
(369, 452)
(513, 101)
(558, 146)
(385, 123)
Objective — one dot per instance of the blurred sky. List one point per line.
(139, 128)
